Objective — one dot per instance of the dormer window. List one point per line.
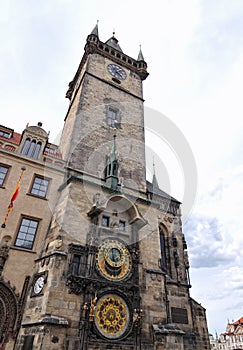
(49, 150)
(31, 148)
(5, 134)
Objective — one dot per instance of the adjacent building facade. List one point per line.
(218, 343)
(234, 335)
(92, 255)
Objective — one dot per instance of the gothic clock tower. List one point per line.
(113, 272)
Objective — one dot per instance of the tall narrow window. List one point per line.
(31, 149)
(162, 249)
(37, 150)
(26, 234)
(113, 117)
(39, 187)
(26, 146)
(3, 173)
(75, 265)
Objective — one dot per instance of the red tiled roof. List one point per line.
(240, 321)
(15, 139)
(53, 155)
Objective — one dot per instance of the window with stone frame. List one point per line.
(113, 117)
(3, 173)
(26, 233)
(39, 186)
(105, 221)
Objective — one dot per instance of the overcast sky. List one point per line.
(194, 51)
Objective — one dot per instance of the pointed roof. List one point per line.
(154, 180)
(113, 42)
(140, 55)
(95, 31)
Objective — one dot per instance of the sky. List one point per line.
(194, 52)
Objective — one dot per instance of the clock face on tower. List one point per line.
(116, 71)
(113, 260)
(112, 316)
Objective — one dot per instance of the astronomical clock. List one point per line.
(113, 260)
(105, 271)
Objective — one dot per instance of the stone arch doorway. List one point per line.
(8, 313)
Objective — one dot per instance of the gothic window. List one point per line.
(31, 148)
(113, 117)
(75, 265)
(26, 233)
(3, 173)
(79, 265)
(39, 187)
(162, 249)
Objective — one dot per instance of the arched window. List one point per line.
(26, 146)
(31, 149)
(162, 249)
(37, 150)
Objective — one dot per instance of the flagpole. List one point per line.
(14, 196)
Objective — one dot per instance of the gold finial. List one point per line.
(113, 32)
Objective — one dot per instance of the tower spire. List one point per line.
(140, 55)
(95, 31)
(154, 181)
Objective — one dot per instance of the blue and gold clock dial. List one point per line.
(113, 260)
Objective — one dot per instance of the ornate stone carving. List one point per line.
(8, 312)
(3, 256)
